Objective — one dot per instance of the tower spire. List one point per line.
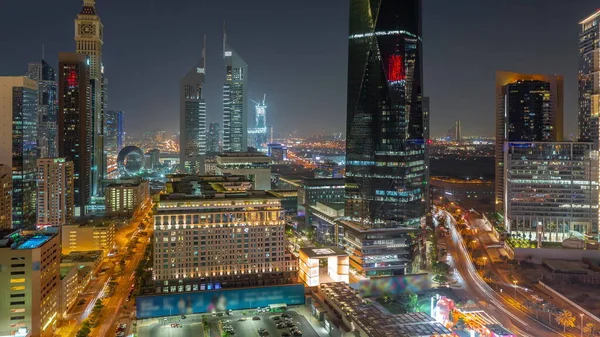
(224, 38)
(204, 53)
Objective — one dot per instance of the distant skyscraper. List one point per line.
(192, 119)
(213, 140)
(55, 202)
(47, 108)
(589, 85)
(18, 147)
(235, 101)
(528, 108)
(257, 136)
(458, 128)
(89, 38)
(113, 134)
(5, 196)
(385, 150)
(75, 122)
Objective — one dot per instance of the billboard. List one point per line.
(217, 300)
(394, 285)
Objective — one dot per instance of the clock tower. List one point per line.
(89, 38)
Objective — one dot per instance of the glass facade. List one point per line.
(235, 101)
(24, 155)
(114, 134)
(75, 123)
(385, 151)
(551, 190)
(214, 138)
(47, 138)
(589, 87)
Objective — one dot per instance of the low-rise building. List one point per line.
(29, 283)
(70, 287)
(311, 191)
(256, 166)
(124, 199)
(364, 319)
(88, 235)
(474, 193)
(323, 220)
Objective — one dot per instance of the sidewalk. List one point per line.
(316, 325)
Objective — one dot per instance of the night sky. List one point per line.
(297, 54)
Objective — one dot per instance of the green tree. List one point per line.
(85, 330)
(411, 302)
(441, 268)
(440, 279)
(566, 319)
(590, 330)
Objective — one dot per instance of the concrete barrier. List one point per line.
(561, 296)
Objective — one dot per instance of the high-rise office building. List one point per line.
(589, 86)
(213, 140)
(18, 147)
(89, 38)
(55, 200)
(75, 123)
(47, 127)
(192, 118)
(30, 283)
(235, 101)
(113, 133)
(385, 150)
(528, 108)
(5, 196)
(230, 244)
(551, 190)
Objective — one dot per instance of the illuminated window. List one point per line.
(16, 288)
(17, 280)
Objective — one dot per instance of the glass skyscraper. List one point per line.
(192, 120)
(589, 86)
(385, 149)
(18, 144)
(386, 180)
(235, 101)
(47, 131)
(529, 107)
(214, 138)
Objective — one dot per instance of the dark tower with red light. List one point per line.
(385, 153)
(75, 122)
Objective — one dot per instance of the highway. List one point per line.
(512, 318)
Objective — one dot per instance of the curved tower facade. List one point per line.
(386, 167)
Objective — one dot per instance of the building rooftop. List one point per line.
(241, 154)
(376, 323)
(361, 228)
(16, 239)
(317, 253)
(250, 194)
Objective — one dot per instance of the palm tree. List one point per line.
(590, 330)
(566, 319)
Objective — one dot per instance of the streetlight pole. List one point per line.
(581, 331)
(515, 282)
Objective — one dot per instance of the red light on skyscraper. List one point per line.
(395, 69)
(72, 78)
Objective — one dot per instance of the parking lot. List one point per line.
(248, 326)
(243, 325)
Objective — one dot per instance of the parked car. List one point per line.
(256, 318)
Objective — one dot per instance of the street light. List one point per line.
(484, 260)
(581, 331)
(515, 282)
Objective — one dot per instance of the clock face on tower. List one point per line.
(86, 29)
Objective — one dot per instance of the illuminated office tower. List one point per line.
(89, 38)
(113, 134)
(385, 150)
(47, 129)
(75, 123)
(18, 147)
(5, 197)
(257, 136)
(528, 108)
(30, 283)
(213, 140)
(589, 86)
(235, 101)
(192, 118)
(55, 202)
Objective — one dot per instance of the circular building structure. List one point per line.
(130, 161)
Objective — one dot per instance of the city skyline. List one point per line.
(319, 49)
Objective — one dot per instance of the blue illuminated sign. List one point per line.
(217, 300)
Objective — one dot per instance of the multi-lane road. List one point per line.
(510, 316)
